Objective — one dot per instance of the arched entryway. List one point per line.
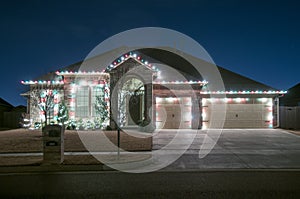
(131, 102)
(131, 94)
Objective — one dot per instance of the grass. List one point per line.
(31, 141)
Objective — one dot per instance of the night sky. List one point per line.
(258, 39)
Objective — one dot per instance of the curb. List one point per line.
(52, 168)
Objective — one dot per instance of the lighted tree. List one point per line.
(43, 100)
(47, 102)
(63, 113)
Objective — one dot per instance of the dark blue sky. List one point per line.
(258, 39)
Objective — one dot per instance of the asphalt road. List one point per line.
(192, 184)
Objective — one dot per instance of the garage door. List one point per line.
(173, 113)
(240, 112)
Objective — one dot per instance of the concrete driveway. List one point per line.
(234, 149)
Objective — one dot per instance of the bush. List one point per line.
(37, 125)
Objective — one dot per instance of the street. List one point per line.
(191, 184)
(242, 164)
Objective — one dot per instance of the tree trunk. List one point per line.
(46, 118)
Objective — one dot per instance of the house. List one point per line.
(290, 109)
(154, 87)
(4, 107)
(9, 115)
(292, 97)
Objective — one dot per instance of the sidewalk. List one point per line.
(73, 161)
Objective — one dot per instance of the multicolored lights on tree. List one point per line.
(48, 104)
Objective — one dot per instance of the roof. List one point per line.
(94, 63)
(217, 74)
(5, 103)
(292, 98)
(169, 56)
(237, 82)
(295, 90)
(20, 108)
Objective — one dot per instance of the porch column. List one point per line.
(148, 113)
(113, 111)
(196, 112)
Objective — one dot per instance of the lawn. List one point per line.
(31, 141)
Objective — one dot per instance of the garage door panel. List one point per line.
(169, 108)
(253, 113)
(173, 113)
(169, 125)
(263, 124)
(217, 107)
(173, 117)
(246, 115)
(236, 107)
(236, 115)
(258, 107)
(217, 115)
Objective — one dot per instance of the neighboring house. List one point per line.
(4, 107)
(290, 109)
(292, 97)
(156, 86)
(13, 118)
(10, 116)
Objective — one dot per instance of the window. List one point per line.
(82, 102)
(97, 91)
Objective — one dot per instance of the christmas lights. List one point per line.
(127, 56)
(65, 73)
(243, 92)
(42, 82)
(181, 82)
